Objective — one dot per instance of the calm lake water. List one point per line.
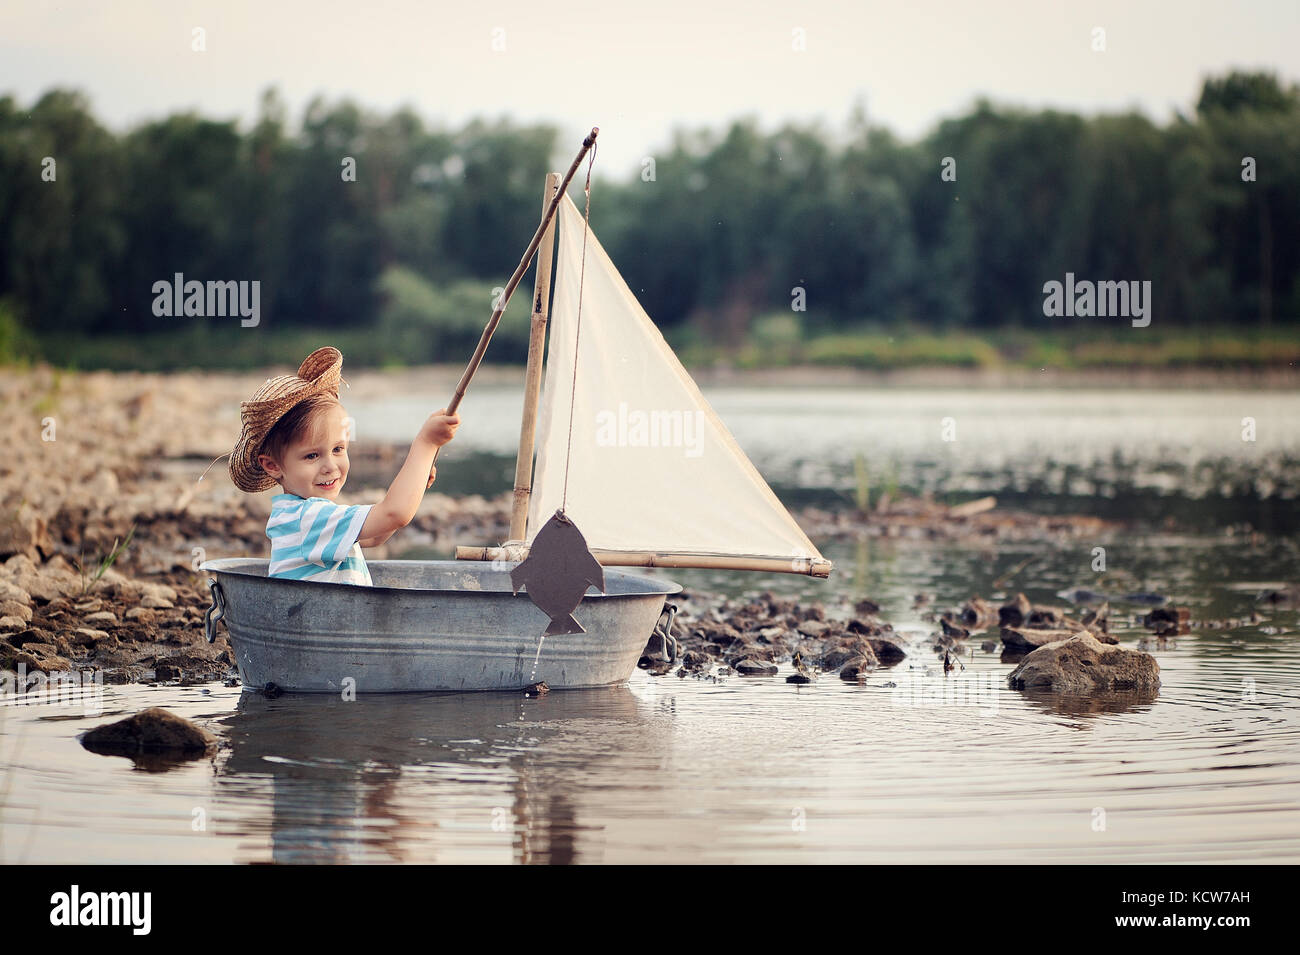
(930, 769)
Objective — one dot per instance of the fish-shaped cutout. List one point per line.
(558, 570)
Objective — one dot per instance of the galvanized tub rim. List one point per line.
(644, 586)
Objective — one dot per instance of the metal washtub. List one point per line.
(427, 625)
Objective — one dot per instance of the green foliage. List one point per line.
(17, 345)
(426, 323)
(399, 263)
(90, 581)
(1259, 92)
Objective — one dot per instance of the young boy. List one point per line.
(295, 435)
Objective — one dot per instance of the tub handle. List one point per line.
(664, 630)
(216, 611)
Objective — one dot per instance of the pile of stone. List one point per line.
(718, 637)
(57, 618)
(1022, 625)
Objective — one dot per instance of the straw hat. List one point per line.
(319, 374)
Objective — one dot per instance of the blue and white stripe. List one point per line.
(316, 539)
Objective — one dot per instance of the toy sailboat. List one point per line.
(625, 442)
(626, 448)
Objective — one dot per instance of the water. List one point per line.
(933, 768)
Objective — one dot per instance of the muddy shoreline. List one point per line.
(100, 456)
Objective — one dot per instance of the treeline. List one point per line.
(959, 230)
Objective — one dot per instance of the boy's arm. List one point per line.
(383, 538)
(399, 505)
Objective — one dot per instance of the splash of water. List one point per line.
(533, 679)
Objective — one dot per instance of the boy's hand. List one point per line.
(433, 474)
(440, 427)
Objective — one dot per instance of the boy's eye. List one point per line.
(310, 455)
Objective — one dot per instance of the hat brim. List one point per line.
(319, 374)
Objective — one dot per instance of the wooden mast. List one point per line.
(533, 375)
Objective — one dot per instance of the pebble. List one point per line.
(154, 730)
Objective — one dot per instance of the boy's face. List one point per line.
(315, 464)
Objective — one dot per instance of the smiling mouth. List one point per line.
(328, 484)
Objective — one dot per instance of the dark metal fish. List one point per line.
(557, 573)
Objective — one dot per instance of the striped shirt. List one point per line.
(316, 539)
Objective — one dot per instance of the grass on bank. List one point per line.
(411, 334)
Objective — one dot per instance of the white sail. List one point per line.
(651, 467)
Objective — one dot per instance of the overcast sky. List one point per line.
(639, 69)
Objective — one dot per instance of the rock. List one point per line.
(847, 651)
(1081, 664)
(31, 635)
(988, 646)
(12, 659)
(814, 612)
(866, 608)
(49, 582)
(751, 651)
(977, 614)
(24, 533)
(1098, 619)
(1151, 599)
(15, 608)
(856, 669)
(888, 650)
(799, 678)
(813, 628)
(86, 636)
(154, 730)
(1082, 595)
(11, 592)
(12, 623)
(157, 590)
(694, 660)
(751, 667)
(164, 671)
(1015, 612)
(1165, 619)
(102, 616)
(951, 629)
(142, 615)
(1044, 618)
(154, 602)
(1028, 638)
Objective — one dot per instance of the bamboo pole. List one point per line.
(810, 566)
(533, 375)
(514, 279)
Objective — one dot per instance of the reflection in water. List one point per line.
(378, 779)
(1114, 701)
